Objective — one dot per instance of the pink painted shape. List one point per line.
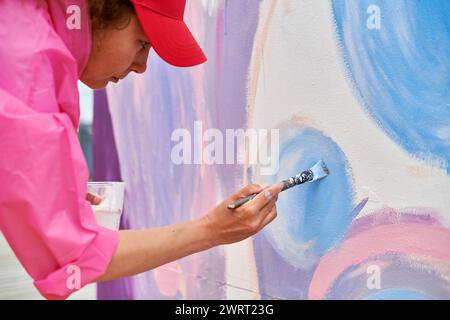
(413, 239)
(168, 278)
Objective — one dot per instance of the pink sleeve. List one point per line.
(43, 174)
(43, 212)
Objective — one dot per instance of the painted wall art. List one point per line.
(362, 84)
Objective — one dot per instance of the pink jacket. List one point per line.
(43, 175)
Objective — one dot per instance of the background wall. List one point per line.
(363, 85)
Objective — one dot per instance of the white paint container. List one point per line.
(109, 211)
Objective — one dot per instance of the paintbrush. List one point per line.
(318, 171)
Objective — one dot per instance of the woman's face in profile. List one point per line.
(115, 53)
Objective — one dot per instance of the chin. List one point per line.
(95, 85)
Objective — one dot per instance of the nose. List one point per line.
(140, 63)
(139, 67)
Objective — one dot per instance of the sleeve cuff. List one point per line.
(71, 277)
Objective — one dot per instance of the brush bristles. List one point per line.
(320, 170)
(325, 168)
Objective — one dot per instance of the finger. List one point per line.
(261, 214)
(277, 187)
(268, 207)
(264, 197)
(269, 217)
(247, 190)
(93, 199)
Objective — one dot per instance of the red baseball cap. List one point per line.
(162, 22)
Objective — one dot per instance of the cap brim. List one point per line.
(171, 39)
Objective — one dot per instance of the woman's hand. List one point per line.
(228, 226)
(93, 198)
(143, 250)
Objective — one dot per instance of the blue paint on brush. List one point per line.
(320, 212)
(320, 170)
(317, 172)
(401, 71)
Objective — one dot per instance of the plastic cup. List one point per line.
(109, 211)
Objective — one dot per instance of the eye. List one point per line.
(144, 45)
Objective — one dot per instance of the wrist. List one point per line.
(206, 233)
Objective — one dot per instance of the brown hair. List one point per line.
(110, 13)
